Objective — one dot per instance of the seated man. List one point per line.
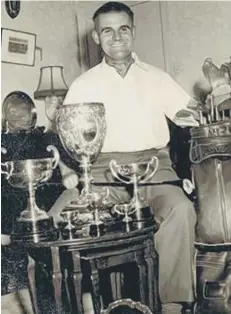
(137, 99)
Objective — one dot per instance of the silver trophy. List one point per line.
(82, 129)
(134, 174)
(125, 210)
(33, 224)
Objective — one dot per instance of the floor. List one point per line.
(19, 303)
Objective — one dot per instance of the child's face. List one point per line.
(19, 115)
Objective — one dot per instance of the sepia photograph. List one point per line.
(115, 157)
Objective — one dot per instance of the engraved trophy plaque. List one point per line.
(135, 174)
(82, 129)
(34, 224)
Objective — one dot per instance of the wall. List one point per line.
(54, 23)
(193, 31)
(174, 35)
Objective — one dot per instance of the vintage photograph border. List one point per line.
(18, 47)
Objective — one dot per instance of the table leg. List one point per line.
(157, 302)
(118, 285)
(151, 259)
(95, 287)
(57, 278)
(115, 279)
(32, 284)
(68, 281)
(113, 285)
(142, 276)
(77, 280)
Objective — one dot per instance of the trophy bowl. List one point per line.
(34, 224)
(82, 129)
(22, 173)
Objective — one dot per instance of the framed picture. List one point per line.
(18, 47)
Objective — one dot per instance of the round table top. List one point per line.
(111, 238)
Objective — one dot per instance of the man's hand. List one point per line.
(64, 199)
(69, 178)
(186, 117)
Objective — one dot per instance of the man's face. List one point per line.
(114, 31)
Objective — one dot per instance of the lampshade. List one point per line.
(51, 82)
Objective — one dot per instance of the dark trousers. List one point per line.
(175, 238)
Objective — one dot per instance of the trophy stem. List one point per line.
(86, 178)
(127, 220)
(97, 226)
(96, 213)
(34, 224)
(32, 212)
(31, 200)
(136, 197)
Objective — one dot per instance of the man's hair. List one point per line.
(113, 6)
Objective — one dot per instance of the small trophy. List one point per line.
(125, 210)
(70, 230)
(33, 224)
(135, 174)
(82, 128)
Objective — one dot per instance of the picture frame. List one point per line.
(18, 47)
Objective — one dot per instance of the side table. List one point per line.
(113, 249)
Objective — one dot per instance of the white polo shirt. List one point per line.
(135, 105)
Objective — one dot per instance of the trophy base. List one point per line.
(97, 230)
(70, 234)
(144, 219)
(127, 226)
(34, 231)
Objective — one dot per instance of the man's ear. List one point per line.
(134, 32)
(95, 37)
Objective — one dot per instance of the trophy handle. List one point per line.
(105, 197)
(114, 169)
(7, 165)
(124, 209)
(55, 159)
(151, 162)
(10, 165)
(3, 150)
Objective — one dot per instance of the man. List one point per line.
(137, 99)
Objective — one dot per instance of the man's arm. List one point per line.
(188, 116)
(179, 106)
(69, 177)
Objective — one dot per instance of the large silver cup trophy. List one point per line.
(135, 174)
(82, 129)
(33, 224)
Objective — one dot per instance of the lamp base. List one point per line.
(34, 231)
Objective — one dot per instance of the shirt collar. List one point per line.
(134, 56)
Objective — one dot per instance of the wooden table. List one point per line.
(113, 249)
